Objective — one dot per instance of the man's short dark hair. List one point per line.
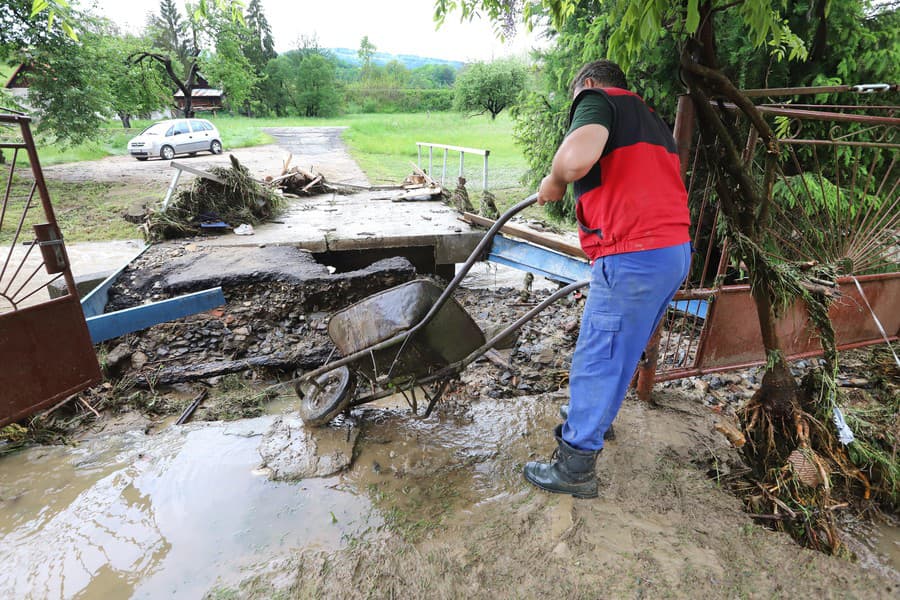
(605, 72)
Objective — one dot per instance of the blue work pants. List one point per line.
(628, 296)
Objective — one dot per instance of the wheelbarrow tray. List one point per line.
(450, 336)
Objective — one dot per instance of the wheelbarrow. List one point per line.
(412, 336)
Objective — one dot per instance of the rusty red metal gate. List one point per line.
(45, 350)
(714, 327)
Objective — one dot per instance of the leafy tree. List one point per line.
(274, 88)
(228, 67)
(19, 31)
(433, 76)
(258, 45)
(58, 11)
(75, 82)
(489, 87)
(303, 82)
(176, 49)
(134, 89)
(365, 53)
(395, 74)
(315, 89)
(178, 42)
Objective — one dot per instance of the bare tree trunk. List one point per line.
(186, 87)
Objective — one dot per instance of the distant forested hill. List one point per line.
(381, 58)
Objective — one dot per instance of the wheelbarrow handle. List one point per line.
(473, 258)
(485, 242)
(467, 266)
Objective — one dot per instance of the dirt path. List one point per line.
(320, 147)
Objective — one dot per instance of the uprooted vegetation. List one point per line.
(239, 200)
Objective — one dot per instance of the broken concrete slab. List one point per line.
(293, 451)
(175, 268)
(335, 223)
(228, 266)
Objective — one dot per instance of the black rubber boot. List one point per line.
(564, 414)
(570, 470)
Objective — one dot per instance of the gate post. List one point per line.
(683, 134)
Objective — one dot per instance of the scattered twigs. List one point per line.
(57, 406)
(297, 181)
(88, 406)
(192, 407)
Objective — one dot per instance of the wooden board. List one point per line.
(529, 235)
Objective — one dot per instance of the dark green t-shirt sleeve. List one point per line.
(594, 109)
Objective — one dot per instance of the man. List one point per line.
(633, 220)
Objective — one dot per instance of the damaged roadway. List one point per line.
(278, 298)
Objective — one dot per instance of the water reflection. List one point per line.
(137, 516)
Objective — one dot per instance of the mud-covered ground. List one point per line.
(449, 515)
(426, 508)
(462, 523)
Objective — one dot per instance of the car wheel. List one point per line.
(215, 147)
(167, 153)
(141, 158)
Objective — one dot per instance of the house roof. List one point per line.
(15, 75)
(201, 93)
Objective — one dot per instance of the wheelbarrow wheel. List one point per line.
(324, 400)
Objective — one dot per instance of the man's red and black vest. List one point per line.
(633, 199)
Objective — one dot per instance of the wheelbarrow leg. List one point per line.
(434, 399)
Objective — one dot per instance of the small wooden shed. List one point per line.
(202, 99)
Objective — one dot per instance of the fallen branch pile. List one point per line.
(295, 182)
(240, 199)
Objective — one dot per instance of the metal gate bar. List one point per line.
(45, 350)
(687, 344)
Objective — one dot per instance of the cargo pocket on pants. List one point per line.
(603, 332)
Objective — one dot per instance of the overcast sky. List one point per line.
(394, 26)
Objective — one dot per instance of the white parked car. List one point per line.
(176, 136)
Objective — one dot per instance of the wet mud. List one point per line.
(461, 521)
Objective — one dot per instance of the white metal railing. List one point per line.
(462, 153)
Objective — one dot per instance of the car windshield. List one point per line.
(155, 129)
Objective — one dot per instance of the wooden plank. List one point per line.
(198, 172)
(428, 178)
(529, 235)
(112, 325)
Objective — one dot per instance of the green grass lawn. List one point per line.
(85, 211)
(382, 144)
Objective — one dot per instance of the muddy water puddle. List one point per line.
(429, 468)
(130, 515)
(876, 546)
